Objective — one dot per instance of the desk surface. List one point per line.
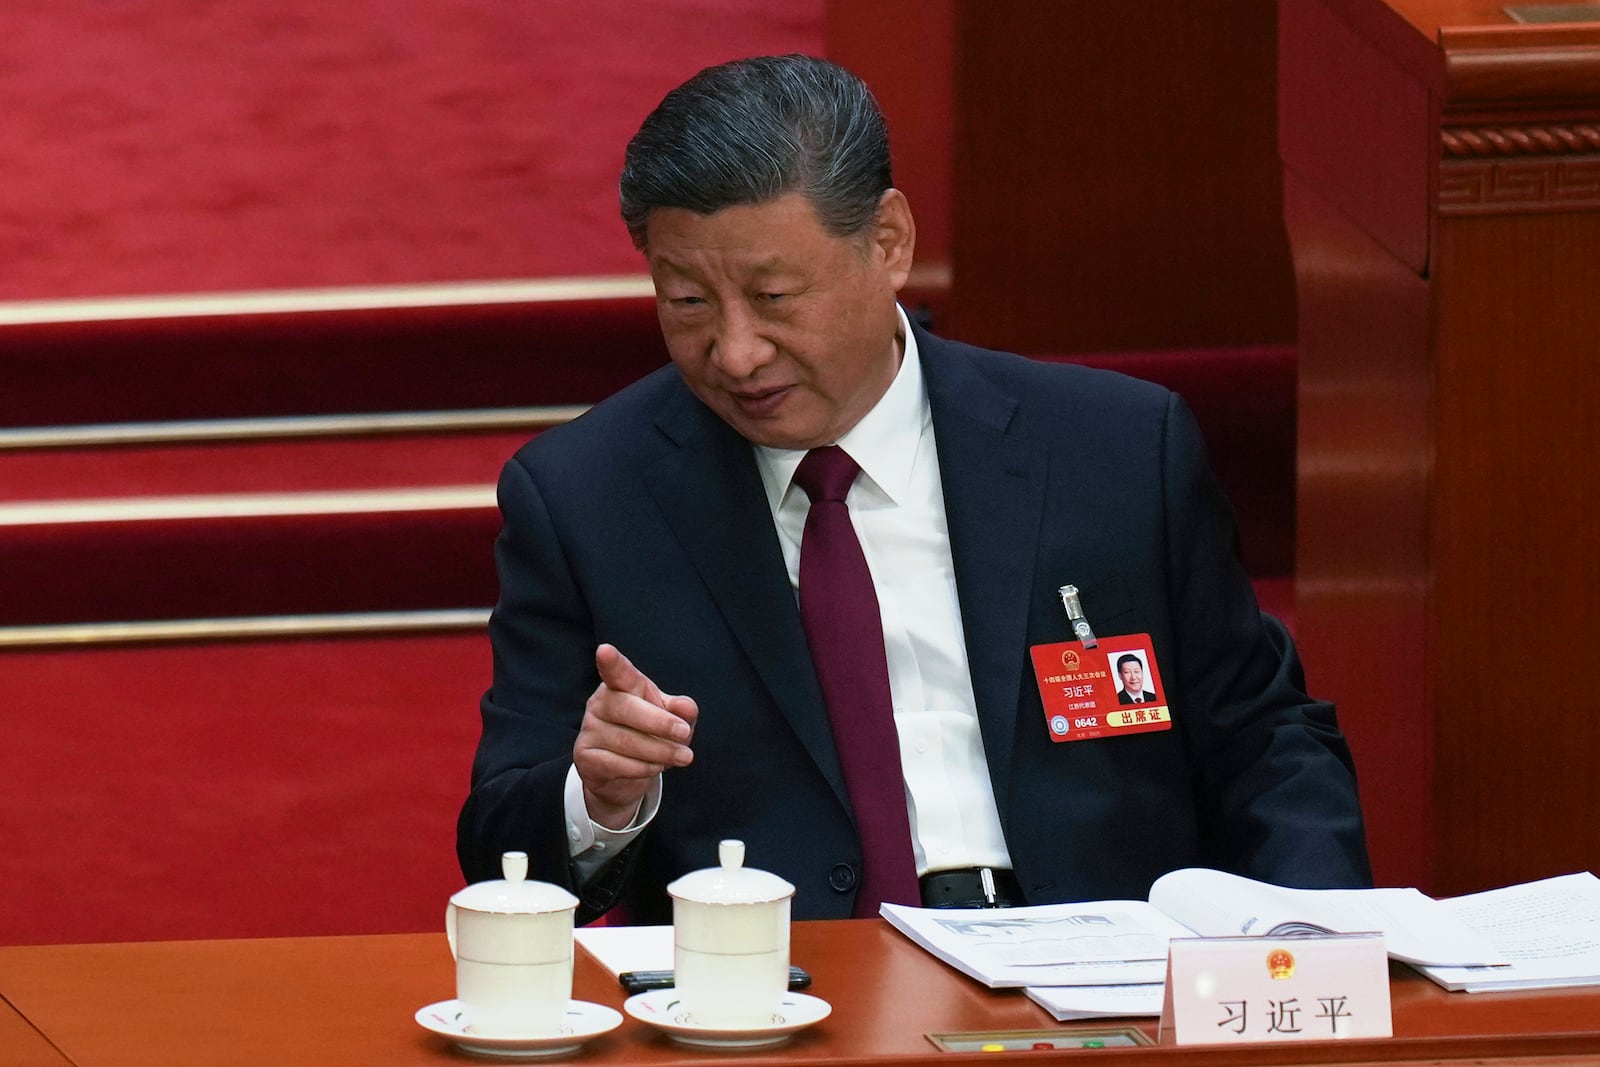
(23, 1046)
(351, 1000)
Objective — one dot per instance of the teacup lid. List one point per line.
(514, 895)
(732, 882)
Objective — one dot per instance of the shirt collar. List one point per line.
(883, 443)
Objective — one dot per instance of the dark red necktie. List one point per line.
(839, 609)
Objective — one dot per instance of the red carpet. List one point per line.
(210, 564)
(322, 363)
(384, 461)
(183, 145)
(282, 466)
(235, 790)
(267, 565)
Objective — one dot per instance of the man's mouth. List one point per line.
(760, 403)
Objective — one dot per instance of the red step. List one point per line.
(397, 522)
(235, 789)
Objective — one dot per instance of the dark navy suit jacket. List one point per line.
(644, 523)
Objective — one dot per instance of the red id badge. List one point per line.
(1109, 690)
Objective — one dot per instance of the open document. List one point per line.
(1108, 942)
(1549, 930)
(1415, 927)
(1109, 957)
(1123, 942)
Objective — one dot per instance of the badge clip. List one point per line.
(1080, 625)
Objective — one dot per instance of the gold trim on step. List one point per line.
(339, 298)
(243, 628)
(290, 426)
(246, 505)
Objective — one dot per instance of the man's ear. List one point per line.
(895, 234)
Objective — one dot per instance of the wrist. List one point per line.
(612, 815)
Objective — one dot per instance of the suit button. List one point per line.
(842, 878)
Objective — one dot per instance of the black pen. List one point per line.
(643, 981)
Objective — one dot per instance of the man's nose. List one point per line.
(740, 347)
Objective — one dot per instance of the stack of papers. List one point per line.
(1109, 958)
(1079, 961)
(1549, 930)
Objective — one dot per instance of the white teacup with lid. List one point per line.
(512, 942)
(730, 935)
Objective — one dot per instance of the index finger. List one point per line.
(619, 675)
(618, 672)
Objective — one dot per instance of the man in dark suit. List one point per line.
(1130, 669)
(657, 687)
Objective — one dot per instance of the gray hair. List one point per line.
(750, 131)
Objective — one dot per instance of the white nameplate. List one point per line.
(1240, 990)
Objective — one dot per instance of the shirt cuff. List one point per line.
(591, 841)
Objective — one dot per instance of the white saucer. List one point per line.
(582, 1021)
(662, 1009)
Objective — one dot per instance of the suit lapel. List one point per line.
(710, 493)
(993, 498)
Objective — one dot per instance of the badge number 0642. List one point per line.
(1110, 690)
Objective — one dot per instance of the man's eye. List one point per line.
(687, 301)
(769, 297)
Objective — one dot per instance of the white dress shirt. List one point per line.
(897, 507)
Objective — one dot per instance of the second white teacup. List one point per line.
(512, 941)
(730, 934)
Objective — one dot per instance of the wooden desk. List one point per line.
(350, 1001)
(23, 1046)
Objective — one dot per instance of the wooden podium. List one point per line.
(1442, 196)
